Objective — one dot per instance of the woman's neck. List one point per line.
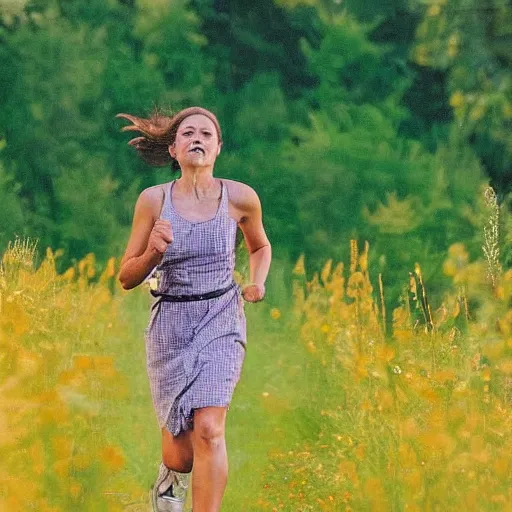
(197, 182)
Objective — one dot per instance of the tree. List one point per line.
(467, 42)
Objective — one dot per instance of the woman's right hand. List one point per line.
(159, 239)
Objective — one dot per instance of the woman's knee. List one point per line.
(209, 426)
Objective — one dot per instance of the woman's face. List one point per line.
(196, 143)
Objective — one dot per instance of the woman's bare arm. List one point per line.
(248, 203)
(141, 256)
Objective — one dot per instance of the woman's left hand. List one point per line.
(253, 292)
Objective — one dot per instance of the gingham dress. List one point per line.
(195, 350)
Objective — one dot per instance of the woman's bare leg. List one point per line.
(210, 459)
(177, 453)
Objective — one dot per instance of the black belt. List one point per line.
(187, 298)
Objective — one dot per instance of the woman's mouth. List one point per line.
(197, 150)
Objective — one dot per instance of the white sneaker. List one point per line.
(170, 490)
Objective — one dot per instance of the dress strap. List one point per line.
(166, 187)
(224, 197)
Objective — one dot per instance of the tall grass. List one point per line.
(415, 420)
(333, 412)
(57, 379)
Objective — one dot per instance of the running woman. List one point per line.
(184, 232)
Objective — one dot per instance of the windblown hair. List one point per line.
(159, 132)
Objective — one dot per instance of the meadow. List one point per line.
(380, 380)
(342, 405)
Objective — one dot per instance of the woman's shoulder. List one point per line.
(240, 193)
(151, 199)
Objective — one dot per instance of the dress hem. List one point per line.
(176, 430)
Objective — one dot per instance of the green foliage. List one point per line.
(469, 42)
(351, 120)
(171, 49)
(12, 218)
(70, 71)
(360, 178)
(351, 68)
(247, 38)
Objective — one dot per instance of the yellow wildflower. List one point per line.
(75, 489)
(354, 255)
(83, 362)
(501, 466)
(421, 55)
(457, 99)
(62, 447)
(326, 271)
(275, 314)
(385, 353)
(299, 269)
(37, 457)
(363, 258)
(110, 269)
(113, 457)
(434, 10)
(505, 366)
(311, 347)
(360, 451)
(486, 374)
(69, 274)
(477, 113)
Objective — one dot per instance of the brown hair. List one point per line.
(159, 132)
